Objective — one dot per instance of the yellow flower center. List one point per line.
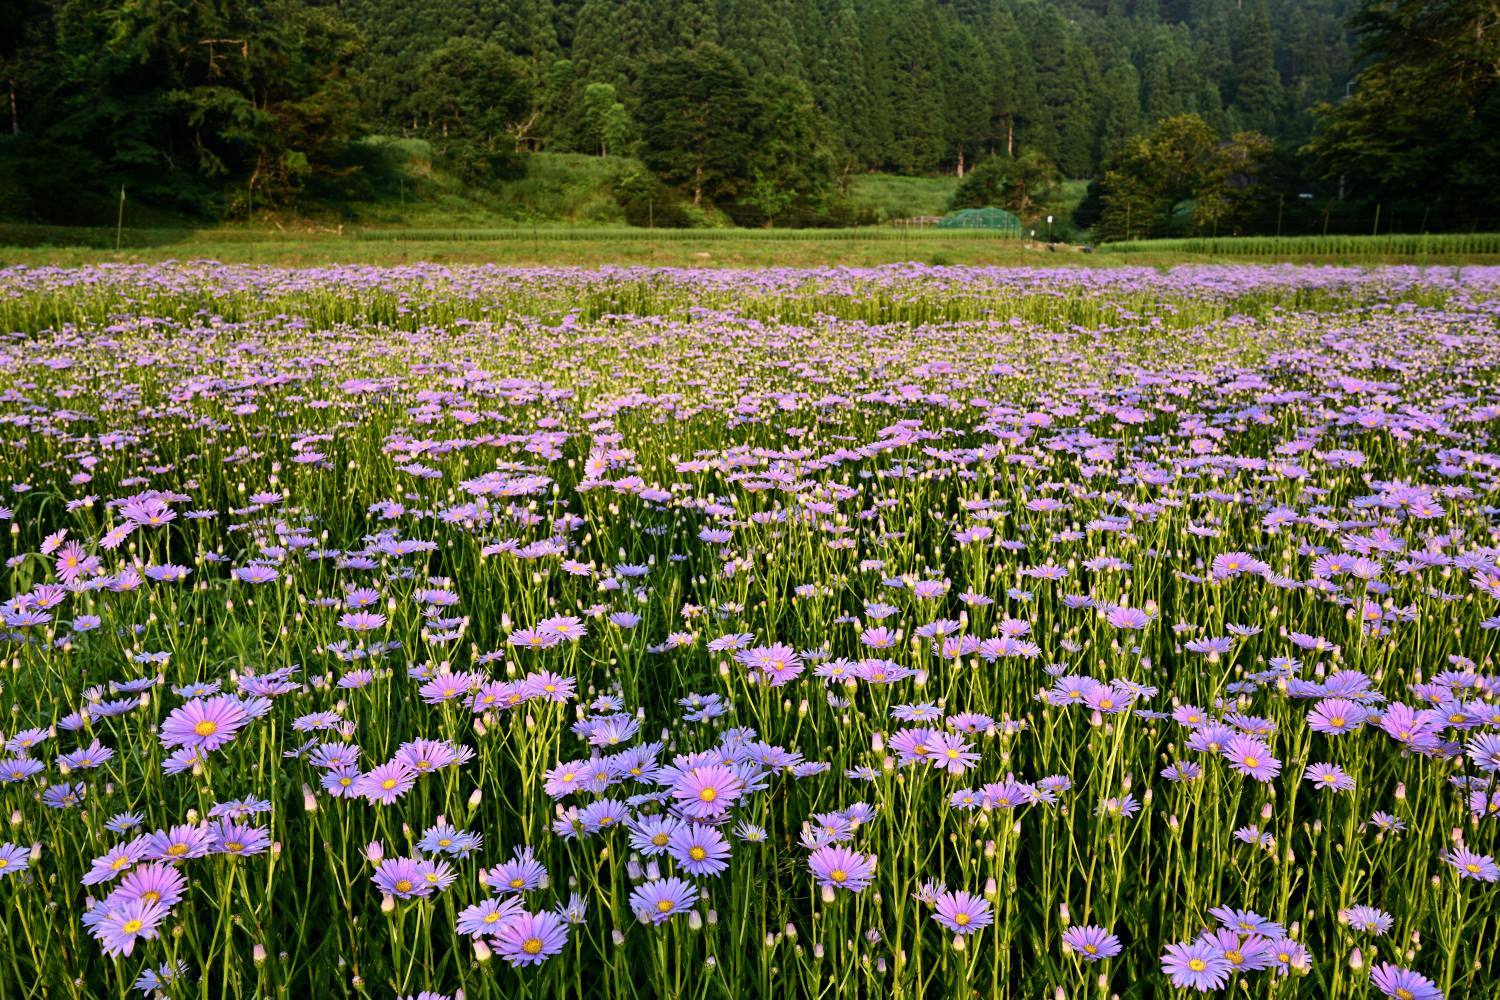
(533, 946)
(962, 919)
(708, 795)
(206, 728)
(697, 853)
(1197, 964)
(664, 906)
(131, 926)
(404, 885)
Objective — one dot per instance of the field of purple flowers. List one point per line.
(652, 633)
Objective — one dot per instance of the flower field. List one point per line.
(914, 632)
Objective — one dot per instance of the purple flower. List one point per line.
(1251, 758)
(488, 916)
(531, 938)
(1128, 618)
(661, 899)
(362, 621)
(1328, 777)
(387, 782)
(840, 868)
(700, 850)
(1197, 965)
(181, 843)
(122, 926)
(962, 913)
(1403, 984)
(1336, 716)
(402, 878)
(1093, 944)
(156, 882)
(1470, 865)
(13, 860)
(707, 792)
(204, 723)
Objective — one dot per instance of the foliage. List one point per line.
(1020, 184)
(1180, 175)
(217, 107)
(1420, 123)
(471, 97)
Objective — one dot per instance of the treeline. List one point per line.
(755, 110)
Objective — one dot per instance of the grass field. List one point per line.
(543, 245)
(547, 244)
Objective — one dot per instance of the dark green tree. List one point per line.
(695, 120)
(1257, 85)
(1420, 124)
(474, 101)
(1019, 184)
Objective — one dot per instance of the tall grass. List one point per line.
(1395, 245)
(790, 536)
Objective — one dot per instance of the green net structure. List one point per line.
(982, 218)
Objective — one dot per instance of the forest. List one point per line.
(1187, 116)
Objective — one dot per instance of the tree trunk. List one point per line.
(960, 163)
(15, 118)
(698, 186)
(1010, 137)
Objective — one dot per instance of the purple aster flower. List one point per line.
(963, 913)
(13, 860)
(840, 868)
(204, 724)
(952, 753)
(699, 849)
(1329, 777)
(387, 782)
(181, 843)
(402, 878)
(120, 928)
(1093, 944)
(109, 866)
(651, 834)
(522, 873)
(531, 938)
(1251, 757)
(707, 792)
(1470, 865)
(1336, 716)
(1197, 965)
(156, 882)
(1368, 919)
(1403, 984)
(661, 899)
(1128, 618)
(488, 916)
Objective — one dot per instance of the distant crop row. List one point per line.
(1403, 245)
(693, 235)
